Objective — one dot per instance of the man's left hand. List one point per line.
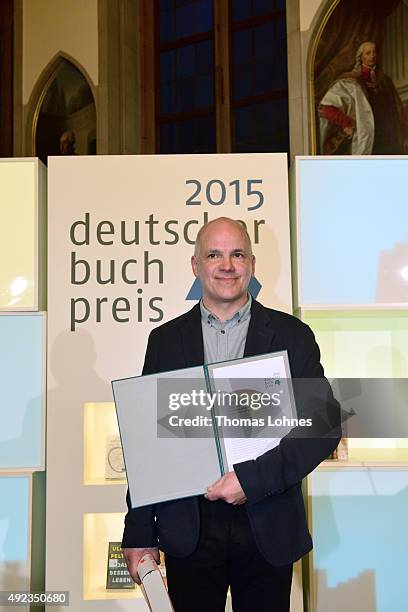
(228, 489)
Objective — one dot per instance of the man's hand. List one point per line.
(227, 488)
(349, 131)
(133, 556)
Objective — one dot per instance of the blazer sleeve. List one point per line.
(140, 524)
(296, 456)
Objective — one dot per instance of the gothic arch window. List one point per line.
(214, 76)
(66, 121)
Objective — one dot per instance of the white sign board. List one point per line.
(121, 235)
(122, 232)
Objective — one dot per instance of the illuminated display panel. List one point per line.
(364, 344)
(14, 532)
(352, 222)
(350, 563)
(19, 192)
(99, 530)
(22, 384)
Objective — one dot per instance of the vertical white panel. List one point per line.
(98, 330)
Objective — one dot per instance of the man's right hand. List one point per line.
(349, 131)
(132, 557)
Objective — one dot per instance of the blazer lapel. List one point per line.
(192, 337)
(260, 332)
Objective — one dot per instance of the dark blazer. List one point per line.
(272, 483)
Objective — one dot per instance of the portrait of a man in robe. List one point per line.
(360, 109)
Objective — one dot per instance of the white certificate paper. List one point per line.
(230, 377)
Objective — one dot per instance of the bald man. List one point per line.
(250, 526)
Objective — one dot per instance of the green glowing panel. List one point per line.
(361, 343)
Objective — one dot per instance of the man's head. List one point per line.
(67, 143)
(366, 55)
(224, 263)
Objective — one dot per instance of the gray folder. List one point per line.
(160, 468)
(162, 465)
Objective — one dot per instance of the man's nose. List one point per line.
(227, 262)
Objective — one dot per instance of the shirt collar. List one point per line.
(241, 315)
(367, 73)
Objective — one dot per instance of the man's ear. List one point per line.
(194, 265)
(253, 264)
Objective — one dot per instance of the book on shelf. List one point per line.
(114, 462)
(117, 575)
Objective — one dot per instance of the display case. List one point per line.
(97, 510)
(99, 530)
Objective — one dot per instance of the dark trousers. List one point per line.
(227, 555)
